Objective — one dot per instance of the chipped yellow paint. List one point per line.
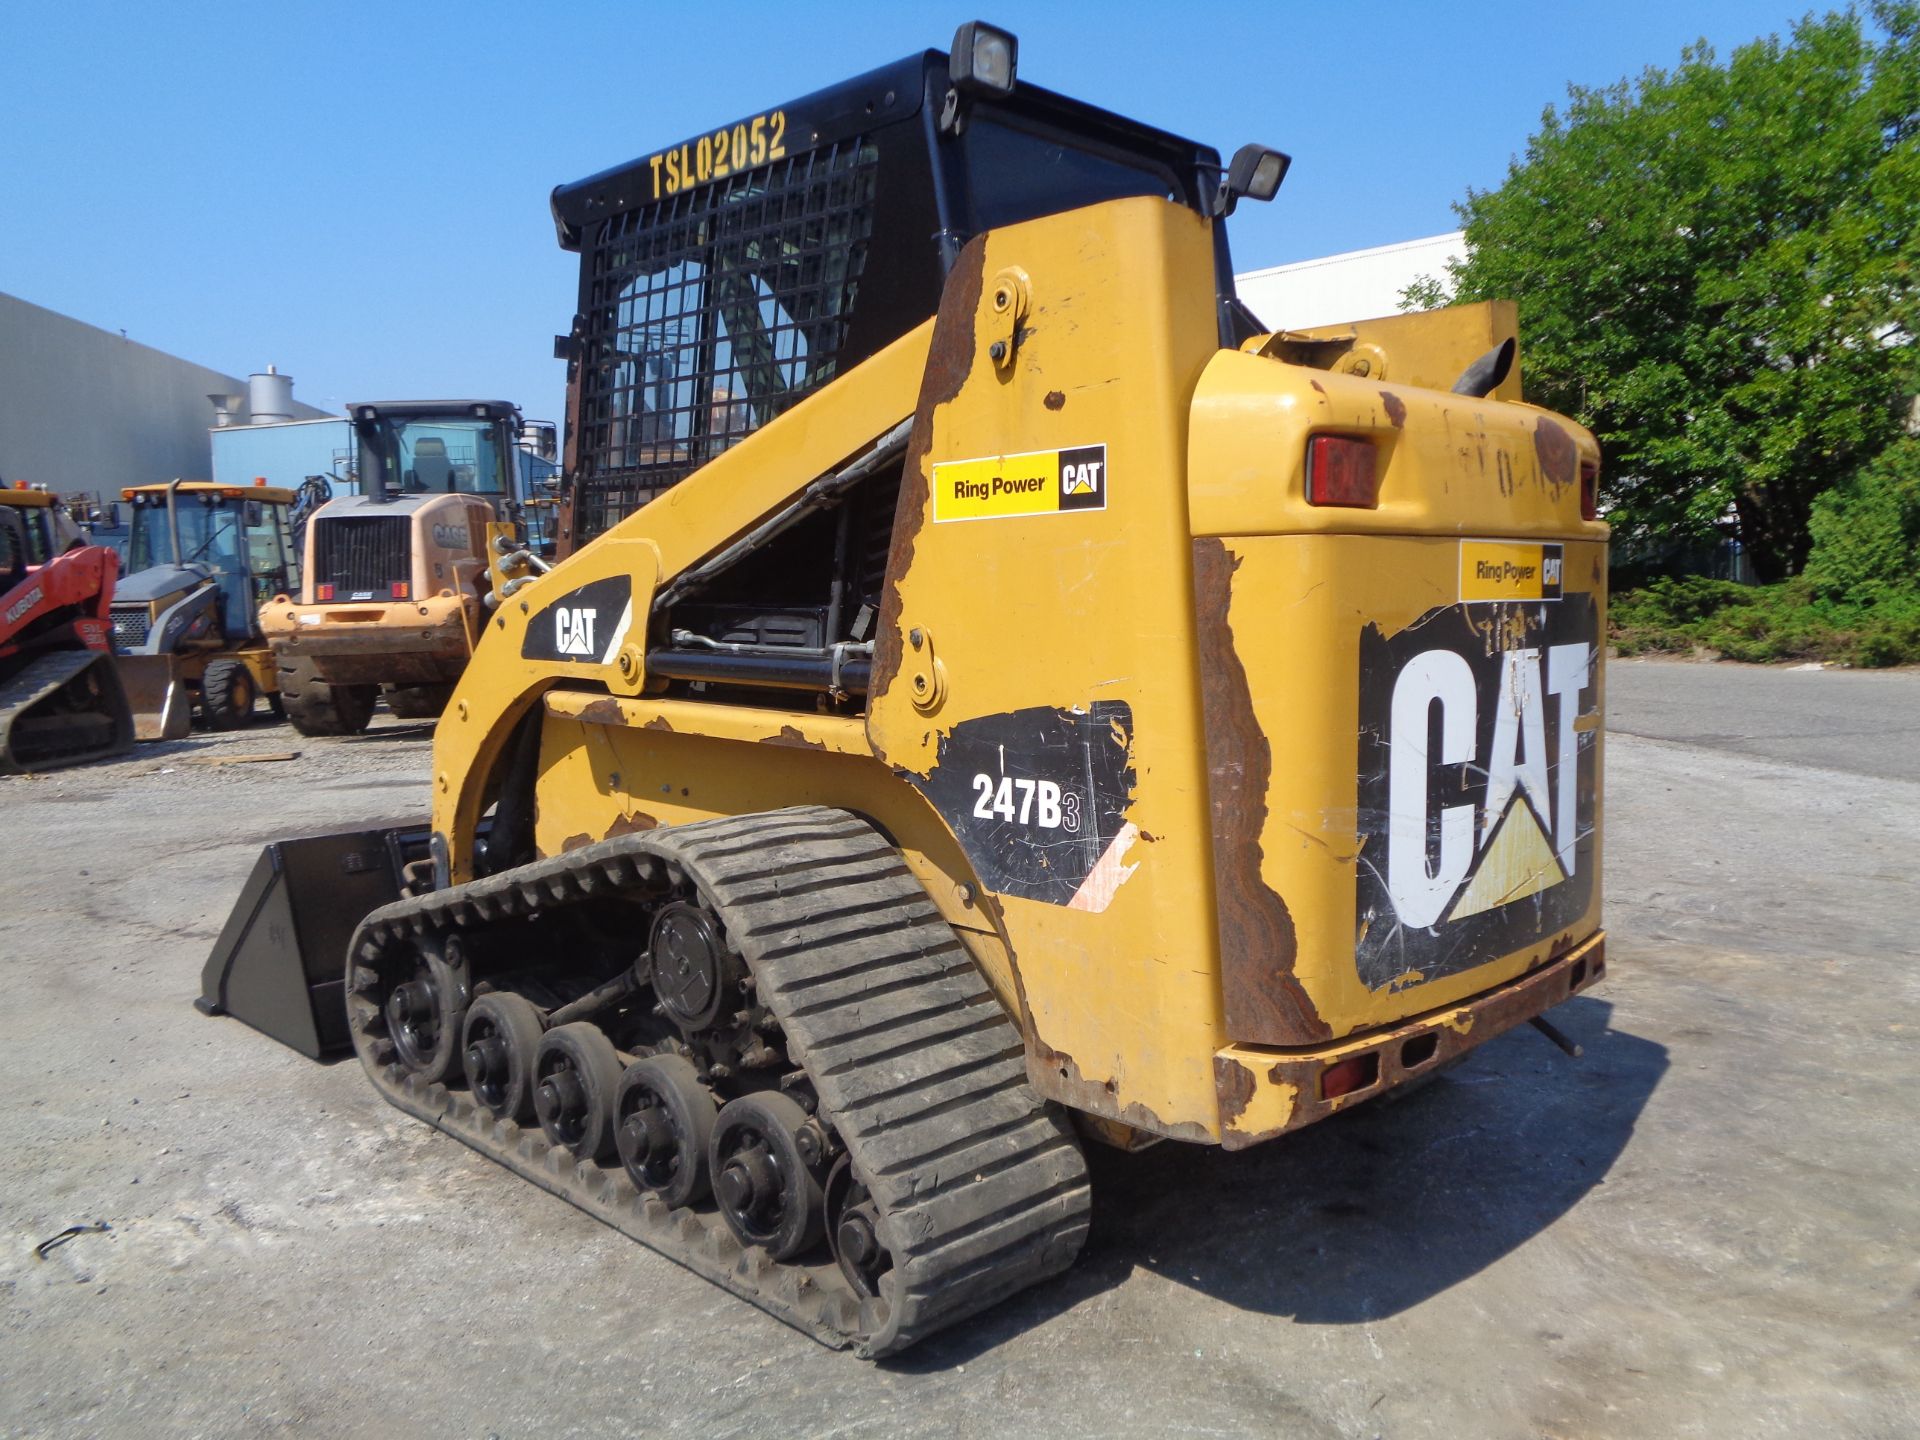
(1066, 609)
(841, 734)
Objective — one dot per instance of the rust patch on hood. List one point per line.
(659, 722)
(632, 824)
(1264, 1001)
(1559, 457)
(949, 362)
(575, 842)
(790, 736)
(1056, 399)
(1395, 407)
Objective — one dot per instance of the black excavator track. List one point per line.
(980, 1186)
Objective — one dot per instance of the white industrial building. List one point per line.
(1356, 285)
(85, 410)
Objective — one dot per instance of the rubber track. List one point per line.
(981, 1186)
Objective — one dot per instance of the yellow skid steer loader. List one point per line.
(994, 695)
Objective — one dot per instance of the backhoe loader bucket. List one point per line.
(63, 708)
(162, 704)
(280, 961)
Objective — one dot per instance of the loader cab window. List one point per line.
(267, 550)
(433, 455)
(13, 549)
(212, 533)
(1019, 173)
(36, 535)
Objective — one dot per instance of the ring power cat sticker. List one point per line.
(1509, 570)
(1045, 482)
(588, 624)
(1478, 771)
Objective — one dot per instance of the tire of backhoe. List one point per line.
(227, 695)
(417, 702)
(317, 708)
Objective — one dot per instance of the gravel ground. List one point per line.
(1704, 1228)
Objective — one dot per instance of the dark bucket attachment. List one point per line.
(280, 962)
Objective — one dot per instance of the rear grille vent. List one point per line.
(361, 556)
(130, 626)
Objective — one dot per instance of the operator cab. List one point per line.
(439, 447)
(238, 534)
(725, 278)
(31, 539)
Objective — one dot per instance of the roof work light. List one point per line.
(1255, 172)
(983, 59)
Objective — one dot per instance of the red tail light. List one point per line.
(1589, 490)
(1342, 471)
(323, 592)
(1343, 1077)
(399, 589)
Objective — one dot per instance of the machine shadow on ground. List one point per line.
(401, 731)
(1367, 1214)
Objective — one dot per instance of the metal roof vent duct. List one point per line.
(270, 396)
(227, 410)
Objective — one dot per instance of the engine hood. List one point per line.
(158, 583)
(403, 503)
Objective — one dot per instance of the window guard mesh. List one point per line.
(710, 312)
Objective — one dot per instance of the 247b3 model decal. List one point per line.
(1477, 777)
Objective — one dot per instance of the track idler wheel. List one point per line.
(498, 1047)
(575, 1073)
(853, 1231)
(694, 973)
(426, 1011)
(663, 1126)
(763, 1175)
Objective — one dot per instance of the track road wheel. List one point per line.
(497, 1050)
(663, 1124)
(575, 1073)
(853, 1231)
(227, 693)
(767, 1191)
(427, 1010)
(317, 708)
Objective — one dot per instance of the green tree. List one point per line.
(1866, 530)
(1718, 271)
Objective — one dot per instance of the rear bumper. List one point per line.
(1265, 1093)
(408, 642)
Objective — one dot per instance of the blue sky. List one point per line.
(357, 192)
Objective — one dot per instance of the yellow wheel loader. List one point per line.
(995, 697)
(395, 578)
(201, 558)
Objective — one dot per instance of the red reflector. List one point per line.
(399, 589)
(323, 592)
(1343, 1077)
(1589, 490)
(1341, 471)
